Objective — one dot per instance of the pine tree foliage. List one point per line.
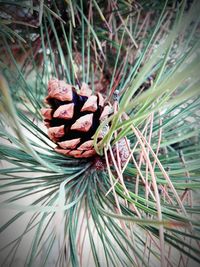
(137, 202)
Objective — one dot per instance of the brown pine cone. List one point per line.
(73, 117)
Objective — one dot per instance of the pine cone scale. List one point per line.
(83, 124)
(64, 112)
(70, 143)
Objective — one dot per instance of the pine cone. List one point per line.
(73, 117)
